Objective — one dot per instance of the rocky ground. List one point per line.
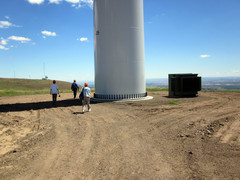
(162, 138)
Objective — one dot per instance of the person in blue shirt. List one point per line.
(74, 88)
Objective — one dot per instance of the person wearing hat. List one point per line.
(74, 88)
(86, 97)
(54, 91)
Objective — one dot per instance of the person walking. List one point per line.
(74, 88)
(86, 97)
(54, 91)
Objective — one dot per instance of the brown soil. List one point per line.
(163, 138)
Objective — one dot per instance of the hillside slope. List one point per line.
(35, 84)
(14, 87)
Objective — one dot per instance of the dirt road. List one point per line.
(163, 138)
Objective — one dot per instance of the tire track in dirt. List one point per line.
(230, 133)
(54, 156)
(137, 140)
(111, 151)
(116, 148)
(188, 122)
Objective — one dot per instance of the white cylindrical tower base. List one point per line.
(119, 49)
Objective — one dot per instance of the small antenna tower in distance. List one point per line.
(45, 77)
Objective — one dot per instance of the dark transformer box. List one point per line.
(181, 85)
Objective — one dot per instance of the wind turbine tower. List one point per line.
(119, 49)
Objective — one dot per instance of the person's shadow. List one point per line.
(78, 113)
(39, 105)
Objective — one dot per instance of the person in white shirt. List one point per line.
(86, 97)
(54, 91)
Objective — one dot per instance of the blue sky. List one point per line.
(181, 36)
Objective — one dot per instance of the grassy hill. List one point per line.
(16, 87)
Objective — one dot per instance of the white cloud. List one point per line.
(88, 2)
(48, 33)
(3, 47)
(77, 6)
(205, 56)
(7, 17)
(3, 41)
(19, 38)
(82, 39)
(36, 1)
(55, 1)
(73, 1)
(5, 24)
(236, 71)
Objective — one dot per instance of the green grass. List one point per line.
(222, 90)
(155, 93)
(18, 87)
(19, 92)
(26, 84)
(174, 103)
(156, 89)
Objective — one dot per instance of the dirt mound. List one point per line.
(163, 138)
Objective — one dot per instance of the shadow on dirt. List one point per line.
(38, 105)
(178, 97)
(78, 113)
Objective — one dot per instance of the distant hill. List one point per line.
(208, 83)
(14, 87)
(35, 84)
(221, 83)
